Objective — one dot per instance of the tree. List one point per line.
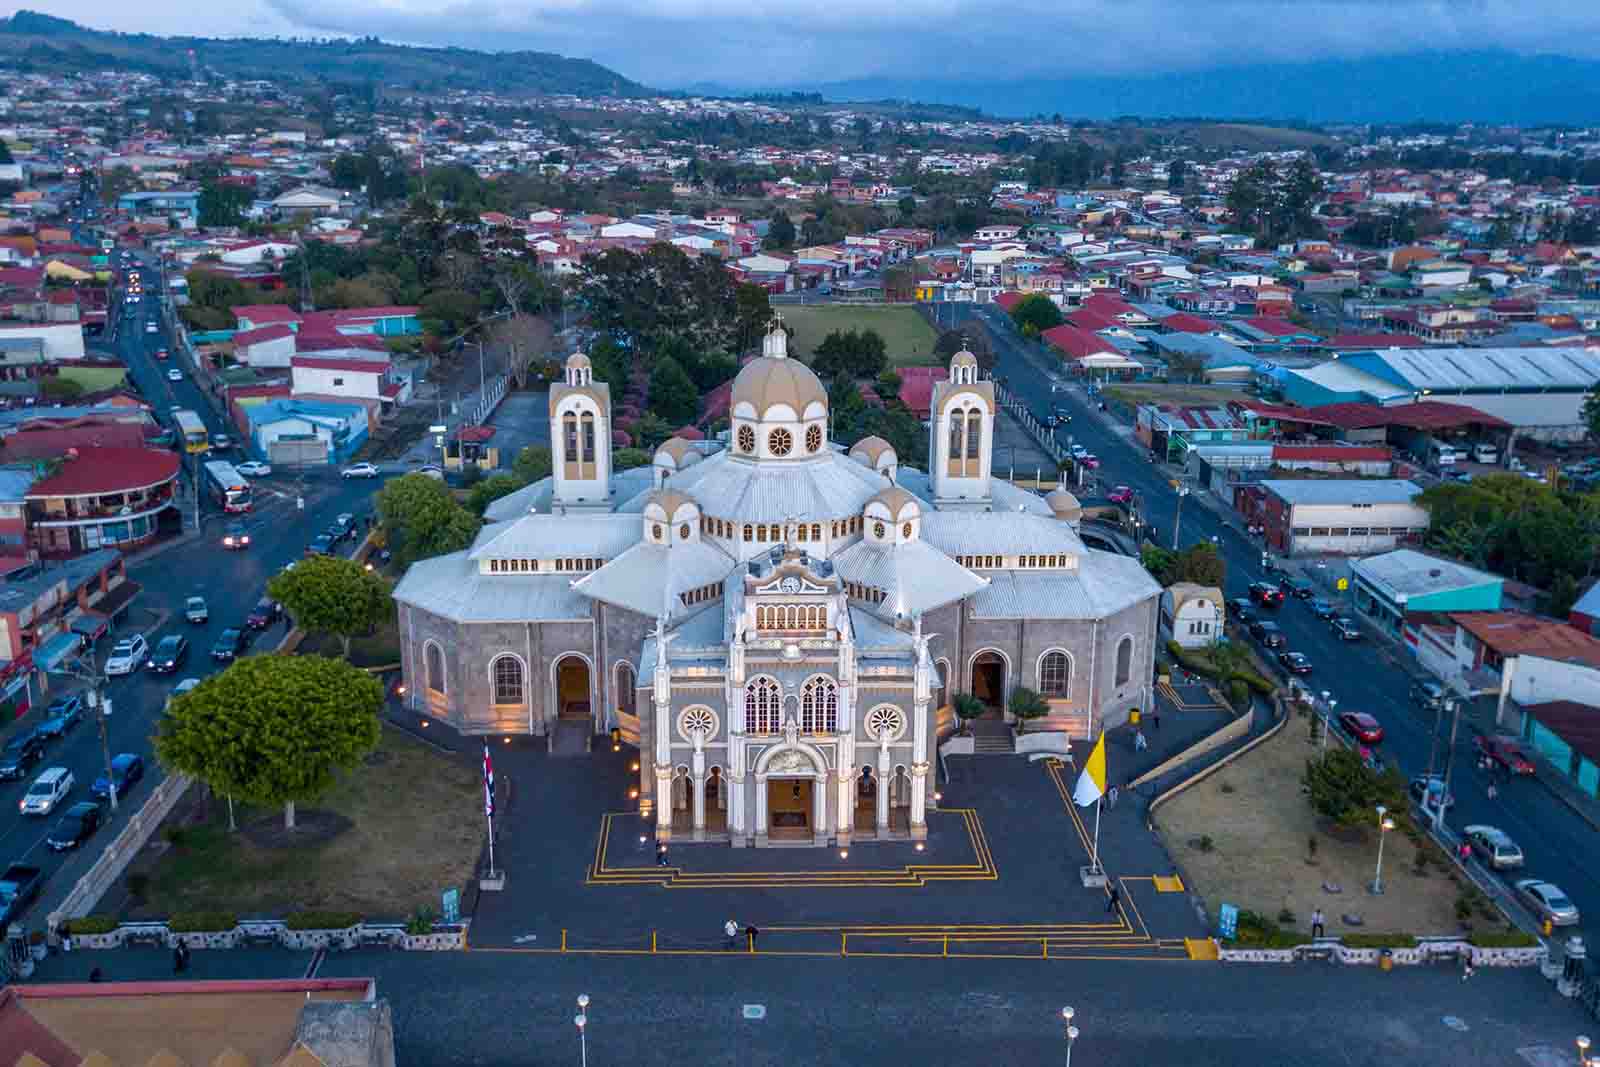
(850, 354)
(1343, 788)
(907, 206)
(5, 152)
(973, 337)
(273, 729)
(222, 205)
(1177, 173)
(628, 458)
(1591, 411)
(780, 231)
(967, 707)
(492, 488)
(1159, 562)
(1036, 313)
(421, 518)
(330, 594)
(673, 395)
(533, 463)
(1027, 705)
(1201, 564)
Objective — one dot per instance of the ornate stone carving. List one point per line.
(790, 761)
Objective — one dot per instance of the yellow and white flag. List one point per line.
(1092, 780)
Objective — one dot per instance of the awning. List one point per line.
(115, 601)
(91, 624)
(57, 650)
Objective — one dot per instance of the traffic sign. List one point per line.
(1342, 584)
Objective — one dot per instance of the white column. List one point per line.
(663, 802)
(883, 785)
(698, 782)
(819, 808)
(919, 801)
(735, 771)
(761, 809)
(845, 777)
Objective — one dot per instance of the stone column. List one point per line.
(819, 808)
(845, 778)
(761, 811)
(735, 773)
(698, 783)
(919, 801)
(883, 786)
(663, 802)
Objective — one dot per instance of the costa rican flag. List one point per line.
(488, 782)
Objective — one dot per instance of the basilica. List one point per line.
(779, 624)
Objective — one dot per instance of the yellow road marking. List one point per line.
(1200, 948)
(1171, 883)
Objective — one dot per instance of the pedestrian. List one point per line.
(1139, 742)
(66, 942)
(179, 958)
(96, 976)
(661, 853)
(1155, 718)
(1316, 922)
(731, 929)
(750, 933)
(1464, 850)
(1111, 797)
(1114, 897)
(1492, 791)
(1466, 966)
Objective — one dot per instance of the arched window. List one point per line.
(941, 683)
(1124, 660)
(763, 705)
(627, 689)
(816, 531)
(819, 706)
(588, 437)
(435, 667)
(507, 673)
(955, 434)
(747, 532)
(569, 424)
(1055, 674)
(974, 432)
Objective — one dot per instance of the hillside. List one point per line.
(43, 43)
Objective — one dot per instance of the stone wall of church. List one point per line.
(622, 635)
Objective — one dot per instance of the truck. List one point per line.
(19, 885)
(1442, 454)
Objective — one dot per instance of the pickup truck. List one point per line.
(19, 884)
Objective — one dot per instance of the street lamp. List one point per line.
(100, 708)
(1177, 519)
(1583, 1051)
(1072, 1032)
(1385, 824)
(582, 1020)
(1327, 723)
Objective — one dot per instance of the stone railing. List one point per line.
(1426, 950)
(276, 932)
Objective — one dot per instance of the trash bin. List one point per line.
(1386, 960)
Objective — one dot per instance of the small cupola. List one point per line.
(670, 518)
(892, 517)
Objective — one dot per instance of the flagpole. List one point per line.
(1094, 854)
(491, 843)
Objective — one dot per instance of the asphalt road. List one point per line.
(1369, 675)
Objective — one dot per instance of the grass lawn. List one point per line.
(1260, 823)
(906, 334)
(1177, 393)
(415, 829)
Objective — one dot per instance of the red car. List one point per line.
(1361, 726)
(1506, 751)
(161, 353)
(1091, 461)
(1120, 495)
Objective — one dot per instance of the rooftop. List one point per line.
(1407, 573)
(1343, 491)
(1512, 633)
(1489, 369)
(106, 469)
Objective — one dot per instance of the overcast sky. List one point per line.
(670, 43)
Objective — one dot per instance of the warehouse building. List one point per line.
(1353, 516)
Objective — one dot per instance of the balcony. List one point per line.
(78, 511)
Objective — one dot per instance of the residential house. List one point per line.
(101, 495)
(1394, 585)
(295, 432)
(1172, 431)
(1192, 614)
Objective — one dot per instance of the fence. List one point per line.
(490, 399)
(1037, 430)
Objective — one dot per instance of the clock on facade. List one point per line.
(790, 584)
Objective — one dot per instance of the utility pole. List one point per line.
(100, 708)
(1449, 764)
(1177, 519)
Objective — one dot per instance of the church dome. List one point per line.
(869, 449)
(676, 453)
(963, 358)
(1063, 504)
(896, 500)
(578, 359)
(769, 382)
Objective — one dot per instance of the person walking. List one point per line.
(180, 958)
(1114, 897)
(661, 853)
(1139, 741)
(1155, 718)
(1492, 791)
(1467, 970)
(731, 930)
(1316, 922)
(1111, 797)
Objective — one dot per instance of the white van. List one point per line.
(1484, 452)
(1441, 454)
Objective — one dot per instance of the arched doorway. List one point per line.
(791, 803)
(572, 687)
(989, 681)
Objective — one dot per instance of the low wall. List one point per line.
(1202, 775)
(1237, 728)
(275, 931)
(1425, 951)
(1047, 742)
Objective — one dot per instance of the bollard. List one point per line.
(1572, 971)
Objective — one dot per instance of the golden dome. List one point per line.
(578, 359)
(669, 501)
(963, 358)
(768, 382)
(870, 449)
(679, 451)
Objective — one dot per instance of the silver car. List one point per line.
(1547, 901)
(1494, 845)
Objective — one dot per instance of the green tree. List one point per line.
(1201, 564)
(1251, 195)
(1177, 173)
(421, 518)
(533, 463)
(850, 354)
(973, 337)
(1027, 705)
(1591, 410)
(330, 594)
(492, 488)
(1160, 562)
(222, 205)
(273, 729)
(967, 707)
(753, 309)
(780, 232)
(1343, 788)
(1036, 313)
(907, 207)
(628, 458)
(673, 395)
(5, 152)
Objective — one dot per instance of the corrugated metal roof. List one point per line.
(1486, 369)
(649, 578)
(550, 536)
(916, 577)
(1105, 584)
(1406, 573)
(1343, 491)
(973, 533)
(828, 486)
(451, 586)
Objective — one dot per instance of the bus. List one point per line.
(227, 486)
(192, 430)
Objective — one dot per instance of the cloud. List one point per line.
(671, 43)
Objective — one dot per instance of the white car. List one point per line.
(1547, 901)
(430, 471)
(128, 655)
(360, 470)
(1078, 451)
(221, 440)
(151, 327)
(1497, 850)
(174, 375)
(254, 468)
(47, 790)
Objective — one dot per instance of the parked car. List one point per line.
(1091, 461)
(1302, 588)
(221, 440)
(1266, 594)
(1077, 451)
(343, 526)
(19, 885)
(229, 644)
(253, 468)
(127, 655)
(1321, 608)
(195, 610)
(1121, 495)
(1242, 610)
(174, 375)
(321, 545)
(63, 714)
(359, 470)
(126, 770)
(169, 654)
(1346, 628)
(20, 754)
(185, 686)
(76, 825)
(1506, 751)
(264, 614)
(47, 790)
(1267, 633)
(1295, 662)
(1428, 791)
(1361, 726)
(236, 537)
(1547, 901)
(1427, 694)
(1494, 845)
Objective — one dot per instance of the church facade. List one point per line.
(778, 624)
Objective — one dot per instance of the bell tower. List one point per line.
(580, 438)
(961, 449)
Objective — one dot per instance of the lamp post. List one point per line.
(1385, 824)
(1072, 1032)
(1453, 706)
(1177, 519)
(582, 1020)
(1327, 723)
(1583, 1051)
(100, 708)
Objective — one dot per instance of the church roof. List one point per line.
(915, 576)
(1104, 584)
(649, 577)
(975, 533)
(550, 536)
(452, 586)
(827, 486)
(766, 382)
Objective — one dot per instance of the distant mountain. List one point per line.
(44, 43)
(1432, 86)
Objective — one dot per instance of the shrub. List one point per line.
(91, 924)
(138, 883)
(421, 921)
(322, 920)
(1239, 694)
(202, 922)
(1256, 931)
(1286, 916)
(1502, 939)
(1206, 844)
(1379, 941)
(1225, 787)
(1463, 909)
(174, 835)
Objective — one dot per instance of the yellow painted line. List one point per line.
(1200, 948)
(1168, 884)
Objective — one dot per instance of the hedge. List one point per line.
(322, 920)
(1201, 664)
(202, 922)
(92, 924)
(1255, 931)
(1502, 939)
(1378, 941)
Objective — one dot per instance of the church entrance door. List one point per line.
(572, 688)
(989, 682)
(789, 808)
